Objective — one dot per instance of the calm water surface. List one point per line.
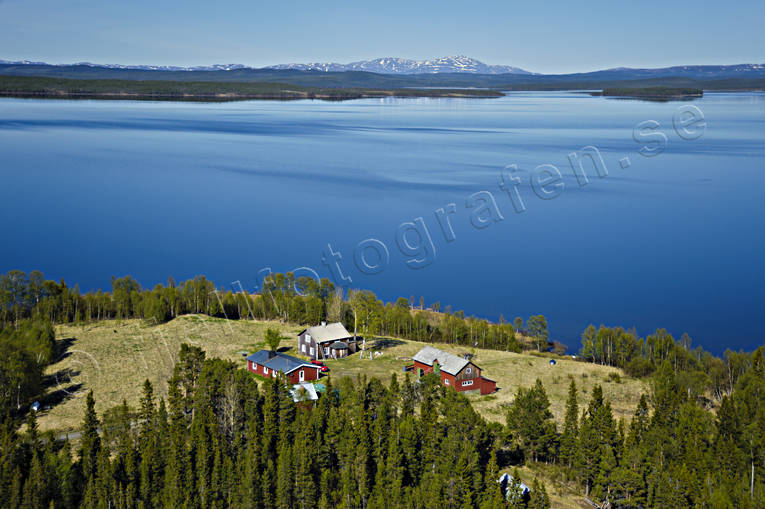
(92, 189)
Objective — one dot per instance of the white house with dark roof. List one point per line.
(326, 341)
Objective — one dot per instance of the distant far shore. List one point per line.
(61, 88)
(652, 93)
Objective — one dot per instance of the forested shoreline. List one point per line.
(306, 301)
(225, 439)
(63, 88)
(657, 93)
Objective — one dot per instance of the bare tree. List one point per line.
(231, 408)
(335, 305)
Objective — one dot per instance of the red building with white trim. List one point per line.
(268, 363)
(454, 371)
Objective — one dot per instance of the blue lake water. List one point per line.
(92, 189)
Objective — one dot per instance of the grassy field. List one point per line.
(563, 493)
(510, 371)
(114, 358)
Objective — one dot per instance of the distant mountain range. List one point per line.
(391, 65)
(391, 73)
(214, 67)
(457, 64)
(451, 64)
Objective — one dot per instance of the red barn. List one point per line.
(455, 371)
(268, 363)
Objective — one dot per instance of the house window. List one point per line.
(301, 375)
(466, 383)
(326, 351)
(302, 348)
(265, 370)
(308, 337)
(311, 351)
(446, 381)
(468, 371)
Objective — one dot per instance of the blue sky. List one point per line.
(545, 37)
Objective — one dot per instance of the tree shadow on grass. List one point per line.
(61, 348)
(60, 395)
(60, 386)
(383, 343)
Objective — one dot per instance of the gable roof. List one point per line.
(447, 362)
(328, 332)
(278, 361)
(261, 357)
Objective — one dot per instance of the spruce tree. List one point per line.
(492, 491)
(90, 441)
(32, 431)
(362, 460)
(304, 467)
(175, 483)
(514, 493)
(568, 439)
(394, 471)
(146, 413)
(249, 487)
(284, 477)
(538, 498)
(531, 424)
(33, 492)
(104, 485)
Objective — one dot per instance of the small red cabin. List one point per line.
(456, 372)
(268, 363)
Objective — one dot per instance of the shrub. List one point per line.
(639, 367)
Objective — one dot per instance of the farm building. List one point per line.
(269, 363)
(327, 341)
(455, 371)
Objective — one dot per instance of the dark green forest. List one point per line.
(657, 92)
(29, 86)
(225, 438)
(653, 93)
